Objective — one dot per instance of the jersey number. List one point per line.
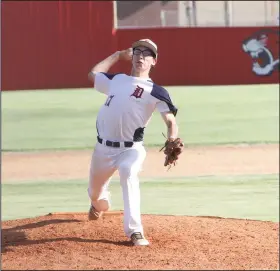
(109, 99)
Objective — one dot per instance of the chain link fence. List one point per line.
(148, 14)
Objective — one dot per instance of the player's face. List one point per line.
(143, 59)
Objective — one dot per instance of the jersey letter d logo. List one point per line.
(137, 92)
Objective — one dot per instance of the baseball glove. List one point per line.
(172, 150)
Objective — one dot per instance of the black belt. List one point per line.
(109, 143)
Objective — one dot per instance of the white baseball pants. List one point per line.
(128, 161)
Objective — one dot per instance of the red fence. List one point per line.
(49, 44)
(53, 44)
(204, 56)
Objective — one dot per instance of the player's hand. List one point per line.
(126, 54)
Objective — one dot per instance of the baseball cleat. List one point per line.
(93, 214)
(138, 239)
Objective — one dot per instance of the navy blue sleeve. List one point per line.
(163, 95)
(110, 75)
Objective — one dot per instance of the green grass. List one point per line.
(56, 119)
(250, 197)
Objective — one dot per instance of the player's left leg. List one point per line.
(129, 166)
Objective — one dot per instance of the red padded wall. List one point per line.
(53, 44)
(201, 56)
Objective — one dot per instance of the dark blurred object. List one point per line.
(127, 8)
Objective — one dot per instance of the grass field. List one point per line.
(58, 119)
(38, 120)
(251, 197)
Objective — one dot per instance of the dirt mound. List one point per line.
(70, 241)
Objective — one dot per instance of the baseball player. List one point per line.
(129, 104)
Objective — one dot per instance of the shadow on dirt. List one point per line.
(10, 238)
(16, 236)
(23, 241)
(43, 223)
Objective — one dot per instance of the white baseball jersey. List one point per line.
(129, 106)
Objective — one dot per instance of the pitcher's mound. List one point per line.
(70, 241)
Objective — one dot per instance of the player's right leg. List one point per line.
(101, 170)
